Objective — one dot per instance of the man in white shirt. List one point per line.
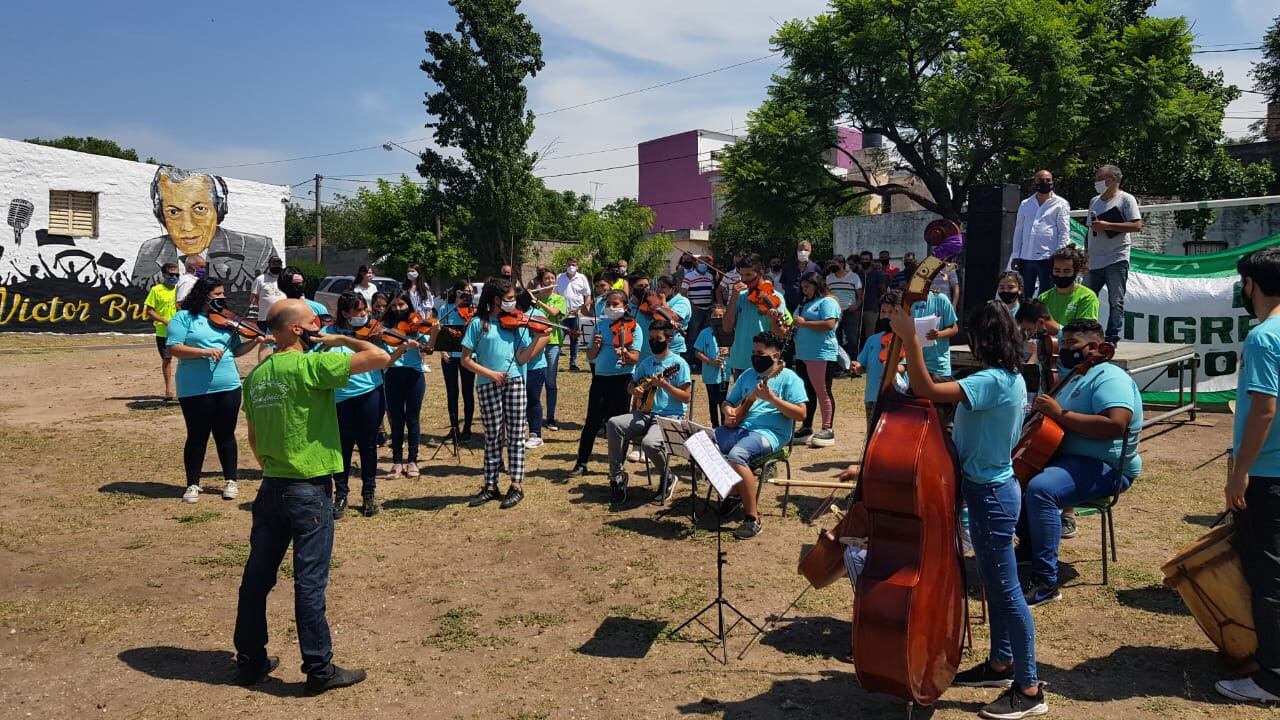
(265, 290)
(576, 290)
(196, 269)
(847, 287)
(1113, 217)
(1043, 226)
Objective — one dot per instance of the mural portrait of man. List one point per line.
(191, 206)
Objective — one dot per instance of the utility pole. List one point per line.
(595, 190)
(319, 236)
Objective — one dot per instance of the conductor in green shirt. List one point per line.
(293, 432)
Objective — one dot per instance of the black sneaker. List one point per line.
(728, 505)
(618, 488)
(983, 675)
(667, 488)
(551, 426)
(1013, 705)
(1041, 593)
(341, 678)
(487, 493)
(1068, 525)
(578, 470)
(802, 436)
(466, 436)
(513, 498)
(749, 528)
(370, 506)
(339, 506)
(247, 677)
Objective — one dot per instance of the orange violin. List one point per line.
(516, 320)
(376, 330)
(656, 307)
(624, 334)
(1041, 437)
(763, 298)
(226, 320)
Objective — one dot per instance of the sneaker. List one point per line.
(822, 438)
(487, 493)
(341, 678)
(466, 436)
(728, 505)
(983, 675)
(396, 469)
(1244, 690)
(618, 488)
(426, 368)
(512, 499)
(230, 491)
(382, 439)
(411, 470)
(635, 456)
(1068, 525)
(192, 494)
(1041, 593)
(1013, 705)
(339, 506)
(574, 368)
(802, 436)
(551, 426)
(533, 443)
(749, 528)
(247, 677)
(667, 488)
(370, 506)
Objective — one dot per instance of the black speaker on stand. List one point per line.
(993, 210)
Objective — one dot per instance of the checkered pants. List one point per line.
(502, 410)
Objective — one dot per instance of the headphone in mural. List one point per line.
(217, 185)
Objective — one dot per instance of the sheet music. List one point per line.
(713, 464)
(923, 326)
(587, 326)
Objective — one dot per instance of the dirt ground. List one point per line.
(118, 601)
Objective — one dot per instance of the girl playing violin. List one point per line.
(360, 407)
(208, 383)
(754, 307)
(988, 421)
(556, 309)
(498, 357)
(405, 387)
(614, 350)
(458, 310)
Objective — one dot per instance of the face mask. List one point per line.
(1100, 186)
(908, 266)
(508, 305)
(658, 346)
(1246, 301)
(622, 271)
(309, 338)
(775, 267)
(614, 313)
(882, 325)
(573, 270)
(702, 267)
(293, 292)
(762, 363)
(171, 280)
(412, 274)
(686, 264)
(358, 321)
(640, 293)
(1063, 282)
(200, 272)
(1008, 298)
(802, 255)
(1044, 187)
(217, 304)
(833, 269)
(273, 271)
(1071, 358)
(866, 263)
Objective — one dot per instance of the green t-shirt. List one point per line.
(556, 302)
(163, 300)
(289, 401)
(1079, 304)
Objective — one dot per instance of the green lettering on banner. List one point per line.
(1220, 363)
(1215, 326)
(1153, 328)
(1184, 335)
(1129, 317)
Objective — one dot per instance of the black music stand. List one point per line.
(719, 602)
(675, 431)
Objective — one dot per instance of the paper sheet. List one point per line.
(923, 326)
(587, 326)
(713, 464)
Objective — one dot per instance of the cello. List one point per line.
(909, 606)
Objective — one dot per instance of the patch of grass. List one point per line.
(686, 599)
(235, 555)
(1161, 705)
(457, 632)
(592, 598)
(533, 619)
(79, 618)
(139, 544)
(198, 518)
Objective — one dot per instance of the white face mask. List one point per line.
(573, 270)
(802, 255)
(508, 305)
(1100, 186)
(358, 321)
(412, 274)
(613, 313)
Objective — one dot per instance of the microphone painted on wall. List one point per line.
(19, 217)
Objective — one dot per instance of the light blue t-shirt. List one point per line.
(1105, 386)
(764, 417)
(202, 376)
(607, 360)
(870, 360)
(412, 358)
(539, 361)
(749, 323)
(663, 403)
(937, 358)
(357, 384)
(707, 345)
(1260, 373)
(818, 344)
(988, 424)
(643, 321)
(449, 316)
(680, 305)
(497, 348)
(317, 308)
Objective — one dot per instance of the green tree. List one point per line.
(559, 213)
(743, 231)
(620, 230)
(967, 92)
(400, 220)
(478, 107)
(342, 222)
(1266, 72)
(91, 145)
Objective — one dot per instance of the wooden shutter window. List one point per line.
(73, 213)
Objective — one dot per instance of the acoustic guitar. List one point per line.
(649, 385)
(1041, 436)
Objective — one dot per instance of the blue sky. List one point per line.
(245, 83)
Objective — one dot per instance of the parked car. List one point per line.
(334, 285)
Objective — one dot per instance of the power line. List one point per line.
(1231, 50)
(305, 157)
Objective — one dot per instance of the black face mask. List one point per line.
(1063, 282)
(217, 304)
(909, 266)
(882, 325)
(658, 346)
(1044, 187)
(1246, 301)
(762, 363)
(776, 267)
(1071, 358)
(309, 338)
(640, 293)
(833, 269)
(1008, 298)
(686, 264)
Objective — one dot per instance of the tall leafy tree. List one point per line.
(400, 220)
(479, 107)
(1266, 72)
(619, 230)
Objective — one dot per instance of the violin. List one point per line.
(375, 330)
(624, 334)
(655, 306)
(762, 296)
(515, 320)
(226, 320)
(1041, 436)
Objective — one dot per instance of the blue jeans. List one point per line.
(571, 322)
(553, 389)
(285, 511)
(405, 388)
(1115, 277)
(534, 380)
(740, 446)
(1067, 481)
(359, 419)
(1037, 276)
(993, 517)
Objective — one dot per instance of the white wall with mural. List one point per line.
(85, 236)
